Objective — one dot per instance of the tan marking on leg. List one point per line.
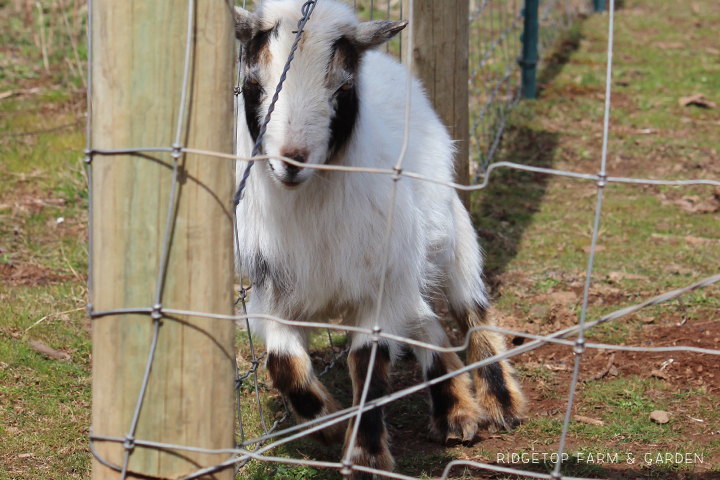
(454, 414)
(497, 390)
(371, 446)
(293, 376)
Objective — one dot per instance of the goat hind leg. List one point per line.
(454, 413)
(497, 390)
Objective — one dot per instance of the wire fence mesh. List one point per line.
(496, 28)
(496, 69)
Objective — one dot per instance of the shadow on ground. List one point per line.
(505, 208)
(551, 66)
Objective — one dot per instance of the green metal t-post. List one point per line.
(599, 5)
(529, 59)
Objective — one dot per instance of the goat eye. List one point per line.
(347, 86)
(253, 81)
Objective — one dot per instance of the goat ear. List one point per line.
(246, 25)
(372, 34)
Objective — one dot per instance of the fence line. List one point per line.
(239, 456)
(504, 61)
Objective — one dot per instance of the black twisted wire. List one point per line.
(306, 10)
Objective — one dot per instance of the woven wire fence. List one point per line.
(259, 448)
(496, 44)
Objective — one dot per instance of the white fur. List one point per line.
(325, 238)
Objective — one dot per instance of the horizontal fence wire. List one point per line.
(496, 72)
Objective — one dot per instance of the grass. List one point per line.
(534, 229)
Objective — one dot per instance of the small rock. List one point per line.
(660, 416)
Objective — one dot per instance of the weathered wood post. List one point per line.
(440, 60)
(138, 59)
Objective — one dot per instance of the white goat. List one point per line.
(312, 242)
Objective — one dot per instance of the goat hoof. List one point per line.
(464, 429)
(461, 427)
(379, 461)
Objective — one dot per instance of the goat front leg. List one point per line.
(371, 444)
(291, 371)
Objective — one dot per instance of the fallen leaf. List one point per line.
(555, 368)
(618, 276)
(591, 421)
(613, 372)
(698, 99)
(712, 51)
(7, 94)
(48, 352)
(679, 270)
(696, 241)
(26, 455)
(693, 204)
(660, 416)
(659, 374)
(711, 206)
(598, 248)
(648, 319)
(669, 45)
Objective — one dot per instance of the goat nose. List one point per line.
(299, 156)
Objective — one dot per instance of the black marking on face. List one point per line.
(443, 398)
(256, 53)
(345, 57)
(372, 425)
(252, 97)
(495, 380)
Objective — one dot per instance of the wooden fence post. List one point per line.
(440, 61)
(138, 59)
